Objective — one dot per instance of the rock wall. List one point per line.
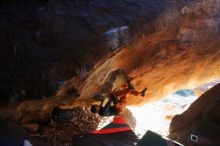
(46, 42)
(201, 118)
(179, 51)
(182, 53)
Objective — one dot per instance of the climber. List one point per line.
(113, 93)
(116, 102)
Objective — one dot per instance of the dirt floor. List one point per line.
(60, 131)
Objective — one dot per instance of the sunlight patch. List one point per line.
(157, 116)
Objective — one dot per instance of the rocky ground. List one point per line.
(60, 130)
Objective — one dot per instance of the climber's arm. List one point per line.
(136, 93)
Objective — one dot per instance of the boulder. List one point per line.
(201, 119)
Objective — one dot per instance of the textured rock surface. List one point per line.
(44, 43)
(201, 118)
(61, 133)
(181, 51)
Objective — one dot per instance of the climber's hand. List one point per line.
(142, 93)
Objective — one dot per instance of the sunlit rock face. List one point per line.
(179, 50)
(200, 119)
(181, 53)
(44, 43)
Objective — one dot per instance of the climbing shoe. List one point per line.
(142, 93)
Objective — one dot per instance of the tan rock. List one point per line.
(32, 128)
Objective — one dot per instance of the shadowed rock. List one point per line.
(201, 118)
(44, 43)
